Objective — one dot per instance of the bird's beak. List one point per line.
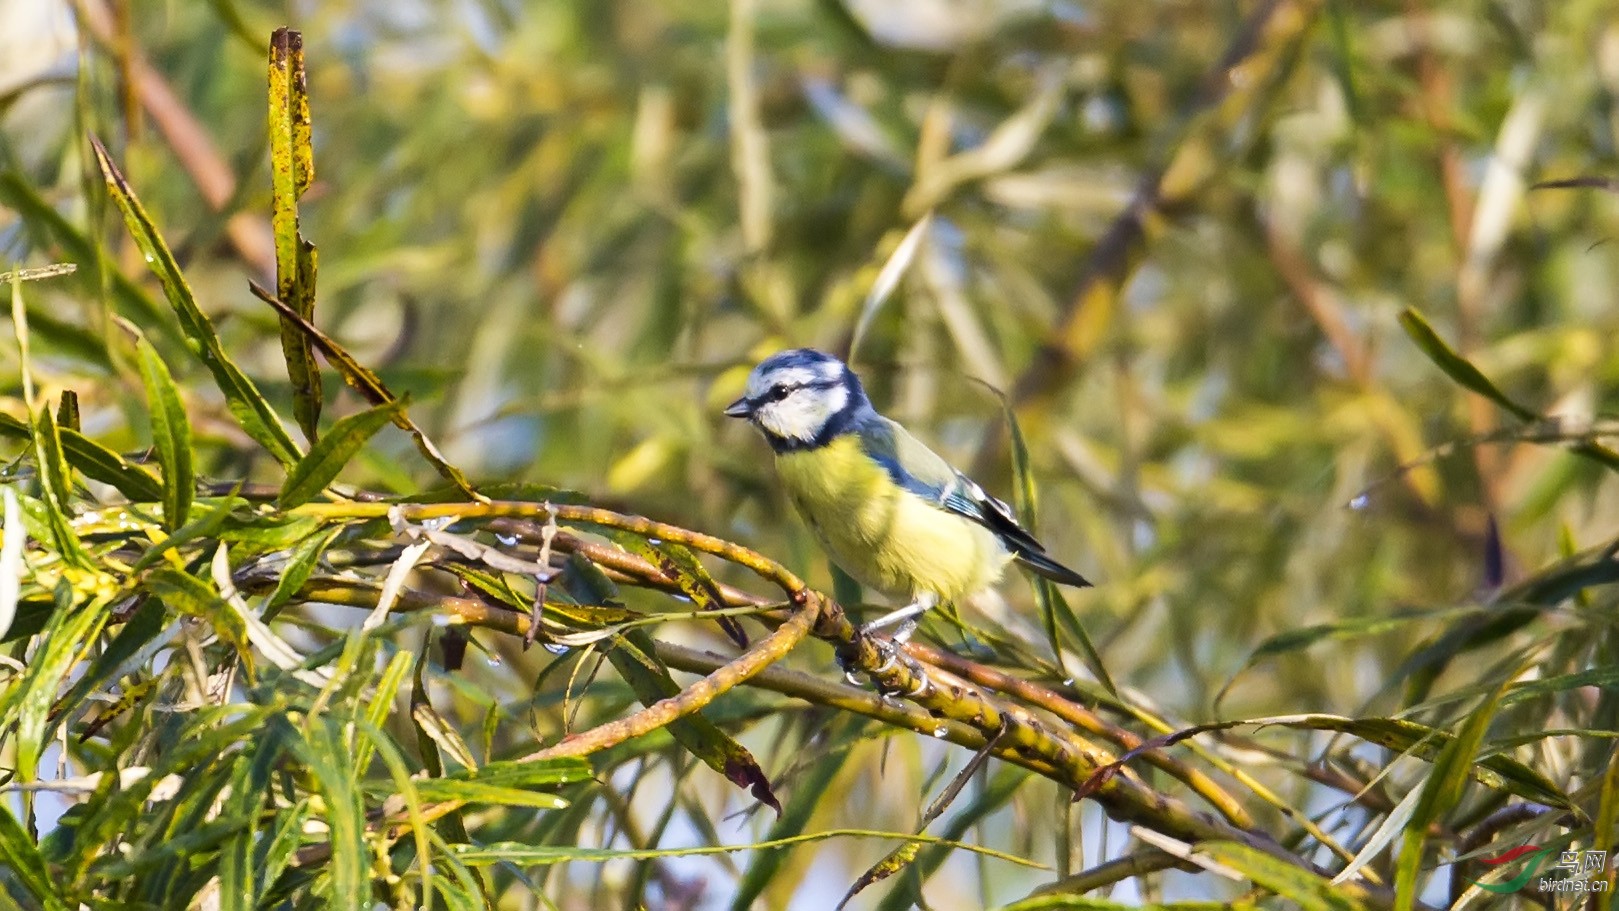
(738, 409)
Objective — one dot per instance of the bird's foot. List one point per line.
(889, 649)
(901, 634)
(905, 617)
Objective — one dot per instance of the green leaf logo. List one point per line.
(1522, 879)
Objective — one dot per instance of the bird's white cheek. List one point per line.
(802, 416)
(790, 421)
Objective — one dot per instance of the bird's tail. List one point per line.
(1043, 565)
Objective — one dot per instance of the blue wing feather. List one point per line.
(918, 469)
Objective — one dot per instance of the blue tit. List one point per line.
(892, 513)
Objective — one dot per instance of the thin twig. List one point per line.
(767, 651)
(1138, 863)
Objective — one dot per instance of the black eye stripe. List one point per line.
(777, 393)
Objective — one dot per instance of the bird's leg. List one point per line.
(904, 616)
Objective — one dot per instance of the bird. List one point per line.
(890, 511)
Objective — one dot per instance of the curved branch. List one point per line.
(1060, 754)
(767, 651)
(1139, 863)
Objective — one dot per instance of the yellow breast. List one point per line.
(883, 535)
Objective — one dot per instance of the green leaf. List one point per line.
(67, 411)
(1470, 377)
(1505, 615)
(236, 892)
(23, 859)
(70, 339)
(324, 749)
(147, 623)
(1054, 609)
(1601, 677)
(1003, 785)
(193, 597)
(480, 792)
(681, 565)
(1455, 366)
(276, 851)
(632, 657)
(1607, 818)
(334, 450)
(211, 732)
(531, 773)
(291, 170)
(54, 491)
(108, 467)
(491, 584)
(242, 397)
(171, 435)
(1440, 792)
(1401, 735)
(381, 703)
(1404, 736)
(96, 461)
(259, 531)
(903, 856)
(586, 582)
(405, 787)
(72, 631)
(543, 855)
(1304, 637)
(299, 567)
(203, 528)
(1309, 891)
(55, 479)
(364, 381)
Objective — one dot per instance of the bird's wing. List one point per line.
(918, 469)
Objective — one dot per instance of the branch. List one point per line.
(769, 650)
(1140, 863)
(1058, 753)
(1075, 714)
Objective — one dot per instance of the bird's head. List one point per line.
(801, 398)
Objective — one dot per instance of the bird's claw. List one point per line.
(889, 649)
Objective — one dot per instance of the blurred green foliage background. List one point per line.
(1179, 235)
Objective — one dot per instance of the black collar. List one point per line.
(841, 422)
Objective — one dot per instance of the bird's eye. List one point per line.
(780, 392)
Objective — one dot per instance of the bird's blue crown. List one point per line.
(802, 398)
